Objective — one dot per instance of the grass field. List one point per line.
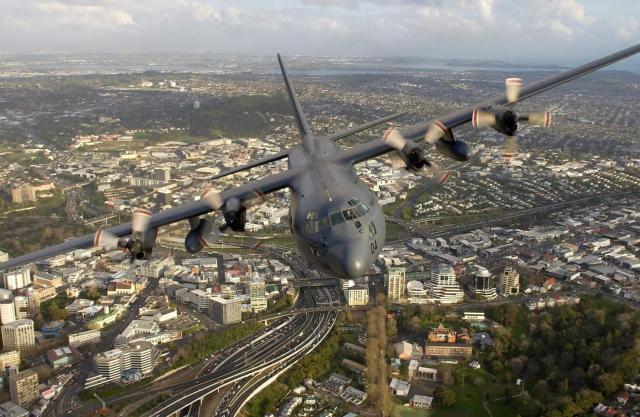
(402, 411)
(479, 386)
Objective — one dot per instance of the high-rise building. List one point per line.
(23, 310)
(139, 356)
(509, 282)
(226, 311)
(17, 278)
(357, 296)
(396, 284)
(7, 308)
(108, 366)
(481, 286)
(112, 364)
(18, 335)
(257, 295)
(443, 286)
(23, 387)
(11, 358)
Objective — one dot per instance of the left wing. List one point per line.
(245, 192)
(451, 120)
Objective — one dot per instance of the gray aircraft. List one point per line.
(337, 222)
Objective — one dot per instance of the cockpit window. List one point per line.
(324, 222)
(361, 209)
(349, 214)
(311, 224)
(337, 218)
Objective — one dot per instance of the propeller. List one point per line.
(140, 220)
(105, 240)
(212, 197)
(504, 119)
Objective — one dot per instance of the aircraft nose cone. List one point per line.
(349, 260)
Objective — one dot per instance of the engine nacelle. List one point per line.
(140, 245)
(506, 120)
(196, 239)
(454, 149)
(235, 214)
(413, 156)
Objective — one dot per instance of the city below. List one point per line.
(508, 285)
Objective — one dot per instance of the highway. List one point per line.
(243, 390)
(269, 352)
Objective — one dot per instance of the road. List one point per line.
(243, 390)
(271, 352)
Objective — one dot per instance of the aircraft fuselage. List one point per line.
(336, 219)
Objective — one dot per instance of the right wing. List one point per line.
(455, 119)
(245, 192)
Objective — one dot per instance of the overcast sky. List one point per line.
(566, 31)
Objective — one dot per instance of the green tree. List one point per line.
(445, 396)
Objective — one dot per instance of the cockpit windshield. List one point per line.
(355, 208)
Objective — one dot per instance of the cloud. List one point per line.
(627, 27)
(86, 15)
(491, 29)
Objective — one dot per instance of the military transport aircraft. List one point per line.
(337, 222)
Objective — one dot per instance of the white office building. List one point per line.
(443, 287)
(16, 279)
(88, 337)
(226, 311)
(22, 307)
(396, 284)
(357, 296)
(7, 308)
(110, 365)
(257, 295)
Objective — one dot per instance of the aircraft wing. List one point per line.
(451, 120)
(248, 191)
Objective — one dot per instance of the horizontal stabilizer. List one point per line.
(357, 129)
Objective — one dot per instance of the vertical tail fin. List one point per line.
(301, 120)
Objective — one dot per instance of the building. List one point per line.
(421, 401)
(23, 387)
(112, 364)
(18, 335)
(140, 357)
(509, 282)
(443, 287)
(7, 307)
(257, 295)
(11, 409)
(473, 316)
(443, 342)
(11, 358)
(399, 387)
(417, 293)
(61, 357)
(23, 308)
(16, 279)
(357, 296)
(89, 337)
(396, 284)
(201, 300)
(226, 311)
(4, 256)
(481, 287)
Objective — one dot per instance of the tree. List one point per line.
(445, 396)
